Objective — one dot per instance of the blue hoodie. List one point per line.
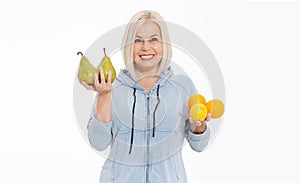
(147, 131)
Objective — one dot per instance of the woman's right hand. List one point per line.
(101, 87)
(104, 102)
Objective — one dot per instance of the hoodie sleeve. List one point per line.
(197, 141)
(99, 133)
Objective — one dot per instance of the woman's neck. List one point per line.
(148, 82)
(146, 74)
(147, 78)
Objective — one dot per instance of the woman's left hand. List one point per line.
(199, 127)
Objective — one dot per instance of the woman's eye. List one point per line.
(154, 39)
(137, 40)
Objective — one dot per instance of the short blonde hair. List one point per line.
(134, 24)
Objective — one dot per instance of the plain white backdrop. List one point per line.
(256, 44)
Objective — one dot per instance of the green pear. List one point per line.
(106, 65)
(86, 70)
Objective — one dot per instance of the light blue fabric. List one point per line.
(155, 159)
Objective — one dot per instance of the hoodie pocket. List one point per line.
(121, 146)
(127, 173)
(123, 136)
(174, 167)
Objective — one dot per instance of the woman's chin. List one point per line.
(147, 68)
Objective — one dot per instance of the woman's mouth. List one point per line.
(146, 57)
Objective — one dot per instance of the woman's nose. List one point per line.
(146, 45)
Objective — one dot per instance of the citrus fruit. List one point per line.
(215, 107)
(198, 112)
(196, 99)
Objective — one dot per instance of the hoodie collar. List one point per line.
(126, 78)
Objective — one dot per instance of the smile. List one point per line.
(147, 56)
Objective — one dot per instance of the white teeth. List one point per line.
(146, 57)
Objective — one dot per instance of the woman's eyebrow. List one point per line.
(153, 35)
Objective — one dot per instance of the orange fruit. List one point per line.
(198, 112)
(215, 107)
(196, 99)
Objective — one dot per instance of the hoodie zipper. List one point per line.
(148, 137)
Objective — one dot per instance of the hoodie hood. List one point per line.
(127, 79)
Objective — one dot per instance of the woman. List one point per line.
(143, 115)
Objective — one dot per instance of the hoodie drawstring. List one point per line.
(132, 120)
(158, 101)
(132, 117)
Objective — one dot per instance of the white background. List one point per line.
(256, 44)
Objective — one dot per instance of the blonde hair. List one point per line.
(132, 27)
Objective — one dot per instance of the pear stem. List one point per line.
(104, 51)
(79, 53)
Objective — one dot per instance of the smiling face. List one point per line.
(147, 49)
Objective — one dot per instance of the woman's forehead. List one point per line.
(148, 30)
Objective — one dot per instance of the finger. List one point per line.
(87, 86)
(109, 77)
(96, 81)
(192, 124)
(208, 117)
(102, 78)
(191, 120)
(84, 84)
(198, 123)
(187, 107)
